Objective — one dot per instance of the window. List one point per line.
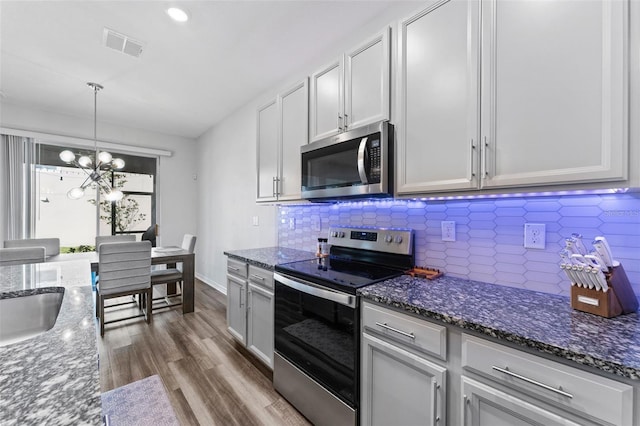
(76, 222)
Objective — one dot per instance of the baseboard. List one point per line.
(222, 289)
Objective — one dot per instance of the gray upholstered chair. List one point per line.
(21, 255)
(51, 245)
(125, 269)
(113, 239)
(173, 275)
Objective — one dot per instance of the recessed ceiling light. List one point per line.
(177, 14)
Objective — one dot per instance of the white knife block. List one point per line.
(619, 299)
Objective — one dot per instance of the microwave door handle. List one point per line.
(362, 151)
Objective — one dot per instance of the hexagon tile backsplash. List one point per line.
(489, 244)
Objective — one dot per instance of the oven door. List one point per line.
(316, 330)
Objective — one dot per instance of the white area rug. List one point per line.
(140, 403)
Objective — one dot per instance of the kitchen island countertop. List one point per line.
(539, 321)
(269, 257)
(52, 378)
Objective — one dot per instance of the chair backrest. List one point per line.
(124, 266)
(189, 242)
(21, 255)
(51, 245)
(150, 235)
(113, 239)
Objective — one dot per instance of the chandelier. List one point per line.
(98, 169)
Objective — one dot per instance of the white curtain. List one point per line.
(17, 167)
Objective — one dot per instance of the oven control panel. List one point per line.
(389, 240)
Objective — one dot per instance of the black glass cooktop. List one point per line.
(337, 273)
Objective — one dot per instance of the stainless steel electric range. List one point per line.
(317, 319)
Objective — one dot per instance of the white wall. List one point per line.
(177, 189)
(227, 164)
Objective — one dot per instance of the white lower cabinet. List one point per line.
(415, 371)
(399, 385)
(400, 388)
(260, 323)
(250, 308)
(484, 405)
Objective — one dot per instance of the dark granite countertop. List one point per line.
(269, 257)
(52, 378)
(540, 321)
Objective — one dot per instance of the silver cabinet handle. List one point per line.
(533, 382)
(273, 186)
(346, 121)
(233, 269)
(257, 277)
(485, 170)
(241, 304)
(465, 403)
(395, 330)
(436, 417)
(339, 123)
(471, 172)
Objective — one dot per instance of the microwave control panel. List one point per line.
(374, 161)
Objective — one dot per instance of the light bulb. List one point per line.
(75, 193)
(114, 195)
(67, 156)
(84, 161)
(177, 15)
(104, 157)
(117, 163)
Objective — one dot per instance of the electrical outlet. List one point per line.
(534, 235)
(255, 221)
(448, 230)
(292, 223)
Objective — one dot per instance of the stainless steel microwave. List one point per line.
(353, 164)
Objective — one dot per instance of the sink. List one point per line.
(27, 316)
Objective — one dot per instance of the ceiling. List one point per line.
(188, 77)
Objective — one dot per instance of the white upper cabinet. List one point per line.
(267, 151)
(512, 93)
(353, 90)
(366, 82)
(439, 99)
(554, 92)
(282, 130)
(294, 131)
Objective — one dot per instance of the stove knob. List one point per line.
(334, 234)
(398, 239)
(388, 238)
(340, 234)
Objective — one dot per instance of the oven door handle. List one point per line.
(362, 153)
(312, 289)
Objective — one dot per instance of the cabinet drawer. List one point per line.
(571, 388)
(237, 268)
(261, 277)
(417, 334)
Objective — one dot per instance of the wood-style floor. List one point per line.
(211, 380)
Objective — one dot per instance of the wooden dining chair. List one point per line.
(51, 245)
(125, 269)
(173, 275)
(21, 255)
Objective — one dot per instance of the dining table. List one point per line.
(168, 255)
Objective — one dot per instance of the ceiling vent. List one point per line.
(122, 43)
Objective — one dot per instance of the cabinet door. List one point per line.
(267, 151)
(236, 308)
(326, 103)
(554, 92)
(260, 323)
(484, 405)
(294, 132)
(438, 131)
(366, 82)
(400, 388)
